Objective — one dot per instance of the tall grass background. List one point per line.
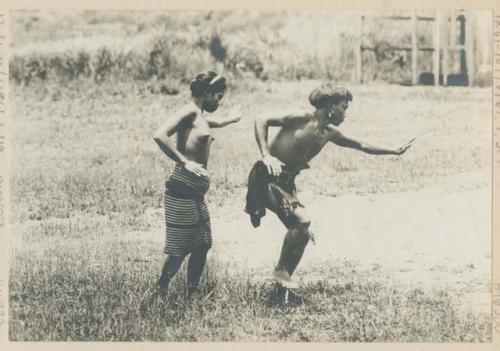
(176, 45)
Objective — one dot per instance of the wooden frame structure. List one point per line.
(443, 46)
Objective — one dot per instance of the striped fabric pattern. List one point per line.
(187, 218)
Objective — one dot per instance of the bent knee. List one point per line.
(303, 224)
(302, 220)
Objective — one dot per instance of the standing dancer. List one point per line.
(187, 220)
(271, 183)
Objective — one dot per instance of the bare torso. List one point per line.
(194, 138)
(297, 144)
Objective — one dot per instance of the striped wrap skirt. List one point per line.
(186, 213)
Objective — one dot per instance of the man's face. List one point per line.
(336, 114)
(212, 100)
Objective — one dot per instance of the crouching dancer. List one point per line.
(187, 219)
(271, 183)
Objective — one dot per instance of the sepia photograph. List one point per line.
(250, 175)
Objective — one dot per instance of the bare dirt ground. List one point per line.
(430, 238)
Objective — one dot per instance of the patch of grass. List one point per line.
(101, 291)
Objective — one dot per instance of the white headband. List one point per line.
(215, 79)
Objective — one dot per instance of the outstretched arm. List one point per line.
(234, 116)
(341, 139)
(262, 125)
(163, 137)
(219, 123)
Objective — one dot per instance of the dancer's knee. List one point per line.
(301, 219)
(304, 224)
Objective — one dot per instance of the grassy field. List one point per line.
(87, 174)
(101, 136)
(99, 291)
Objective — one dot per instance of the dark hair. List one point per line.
(207, 81)
(328, 93)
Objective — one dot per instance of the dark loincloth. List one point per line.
(282, 188)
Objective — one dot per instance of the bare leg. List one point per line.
(295, 242)
(170, 268)
(195, 268)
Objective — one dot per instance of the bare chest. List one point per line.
(299, 145)
(196, 135)
(310, 138)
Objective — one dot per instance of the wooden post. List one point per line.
(453, 29)
(437, 47)
(453, 41)
(446, 43)
(414, 48)
(359, 51)
(469, 45)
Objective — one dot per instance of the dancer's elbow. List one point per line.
(261, 121)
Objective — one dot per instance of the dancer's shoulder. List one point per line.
(186, 113)
(281, 117)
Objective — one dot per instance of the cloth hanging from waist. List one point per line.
(282, 188)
